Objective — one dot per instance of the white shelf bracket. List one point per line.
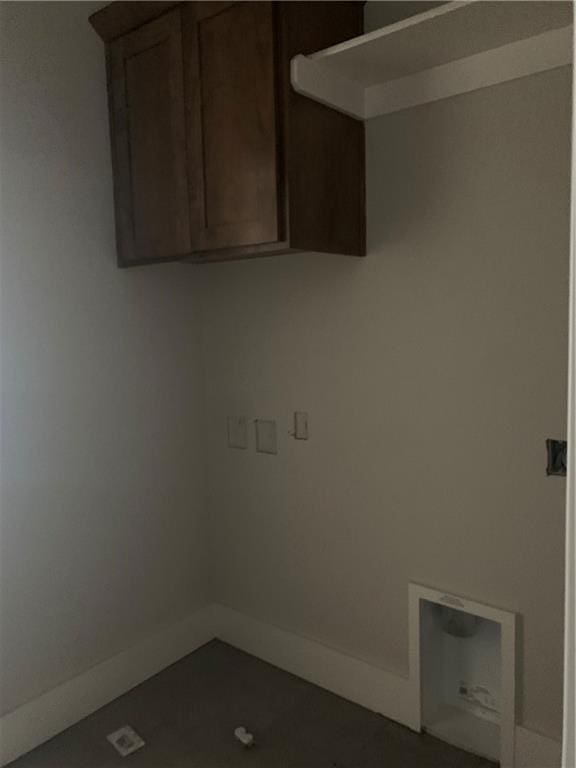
(324, 84)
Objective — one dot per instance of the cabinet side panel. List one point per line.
(193, 111)
(120, 142)
(324, 149)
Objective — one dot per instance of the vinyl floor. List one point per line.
(188, 712)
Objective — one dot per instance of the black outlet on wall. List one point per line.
(557, 453)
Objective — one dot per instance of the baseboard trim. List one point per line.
(536, 751)
(349, 677)
(354, 679)
(372, 687)
(39, 720)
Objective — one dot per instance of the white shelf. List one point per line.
(455, 48)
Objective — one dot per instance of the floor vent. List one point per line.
(125, 740)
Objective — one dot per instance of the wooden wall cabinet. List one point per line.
(215, 156)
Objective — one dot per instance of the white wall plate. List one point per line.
(300, 425)
(266, 436)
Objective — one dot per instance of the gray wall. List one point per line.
(433, 372)
(102, 493)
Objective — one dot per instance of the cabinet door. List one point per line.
(230, 94)
(149, 142)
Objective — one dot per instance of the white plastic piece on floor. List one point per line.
(245, 738)
(125, 740)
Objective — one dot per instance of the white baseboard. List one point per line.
(536, 751)
(351, 678)
(372, 687)
(37, 721)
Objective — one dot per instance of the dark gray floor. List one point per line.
(187, 715)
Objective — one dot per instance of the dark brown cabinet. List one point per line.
(229, 73)
(149, 142)
(215, 156)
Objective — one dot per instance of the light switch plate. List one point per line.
(125, 740)
(300, 425)
(266, 436)
(237, 432)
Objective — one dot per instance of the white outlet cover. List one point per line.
(125, 740)
(266, 436)
(237, 432)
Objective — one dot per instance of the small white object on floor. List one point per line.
(245, 738)
(125, 740)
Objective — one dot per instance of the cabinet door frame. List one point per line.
(204, 240)
(166, 27)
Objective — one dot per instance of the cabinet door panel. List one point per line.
(232, 124)
(149, 135)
